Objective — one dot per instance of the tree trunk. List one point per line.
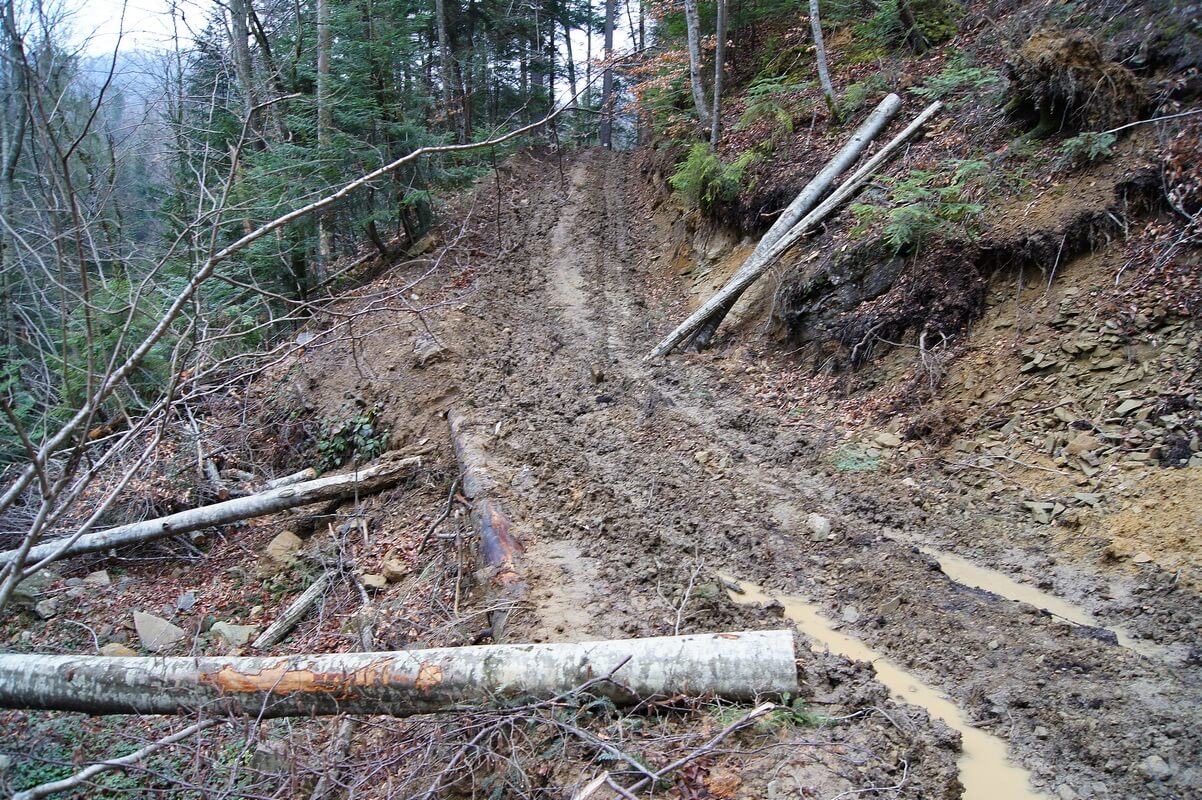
(736, 666)
(607, 80)
(914, 35)
(824, 76)
(331, 487)
(719, 64)
(693, 26)
(571, 63)
(444, 56)
(325, 124)
(751, 271)
(240, 50)
(806, 199)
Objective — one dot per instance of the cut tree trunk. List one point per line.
(332, 487)
(805, 201)
(498, 548)
(747, 276)
(737, 666)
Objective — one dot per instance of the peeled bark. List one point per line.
(805, 201)
(693, 26)
(736, 666)
(332, 487)
(749, 274)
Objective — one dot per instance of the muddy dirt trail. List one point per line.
(635, 484)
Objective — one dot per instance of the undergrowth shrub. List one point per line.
(924, 204)
(960, 75)
(1085, 148)
(775, 99)
(702, 179)
(356, 436)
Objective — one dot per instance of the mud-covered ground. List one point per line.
(635, 484)
(626, 476)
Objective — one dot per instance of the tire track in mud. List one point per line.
(626, 476)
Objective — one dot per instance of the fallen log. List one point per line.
(497, 548)
(331, 487)
(741, 666)
(293, 614)
(747, 276)
(805, 201)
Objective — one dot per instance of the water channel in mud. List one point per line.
(985, 769)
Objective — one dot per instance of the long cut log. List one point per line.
(332, 487)
(745, 277)
(498, 548)
(737, 666)
(806, 199)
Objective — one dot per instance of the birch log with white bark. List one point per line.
(331, 487)
(806, 199)
(748, 275)
(737, 666)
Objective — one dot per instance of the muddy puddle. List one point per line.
(985, 769)
(965, 572)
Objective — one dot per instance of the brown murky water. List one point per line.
(967, 573)
(985, 769)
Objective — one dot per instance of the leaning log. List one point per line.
(498, 548)
(332, 487)
(805, 201)
(293, 614)
(747, 276)
(737, 666)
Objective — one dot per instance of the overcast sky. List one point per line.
(146, 24)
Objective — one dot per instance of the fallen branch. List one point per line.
(331, 487)
(747, 275)
(737, 666)
(293, 614)
(805, 200)
(497, 548)
(86, 775)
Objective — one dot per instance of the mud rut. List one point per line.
(624, 476)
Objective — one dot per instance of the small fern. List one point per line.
(959, 75)
(770, 97)
(703, 179)
(923, 204)
(1086, 148)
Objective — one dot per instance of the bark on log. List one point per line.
(371, 479)
(498, 548)
(293, 614)
(805, 201)
(737, 666)
(306, 474)
(747, 276)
